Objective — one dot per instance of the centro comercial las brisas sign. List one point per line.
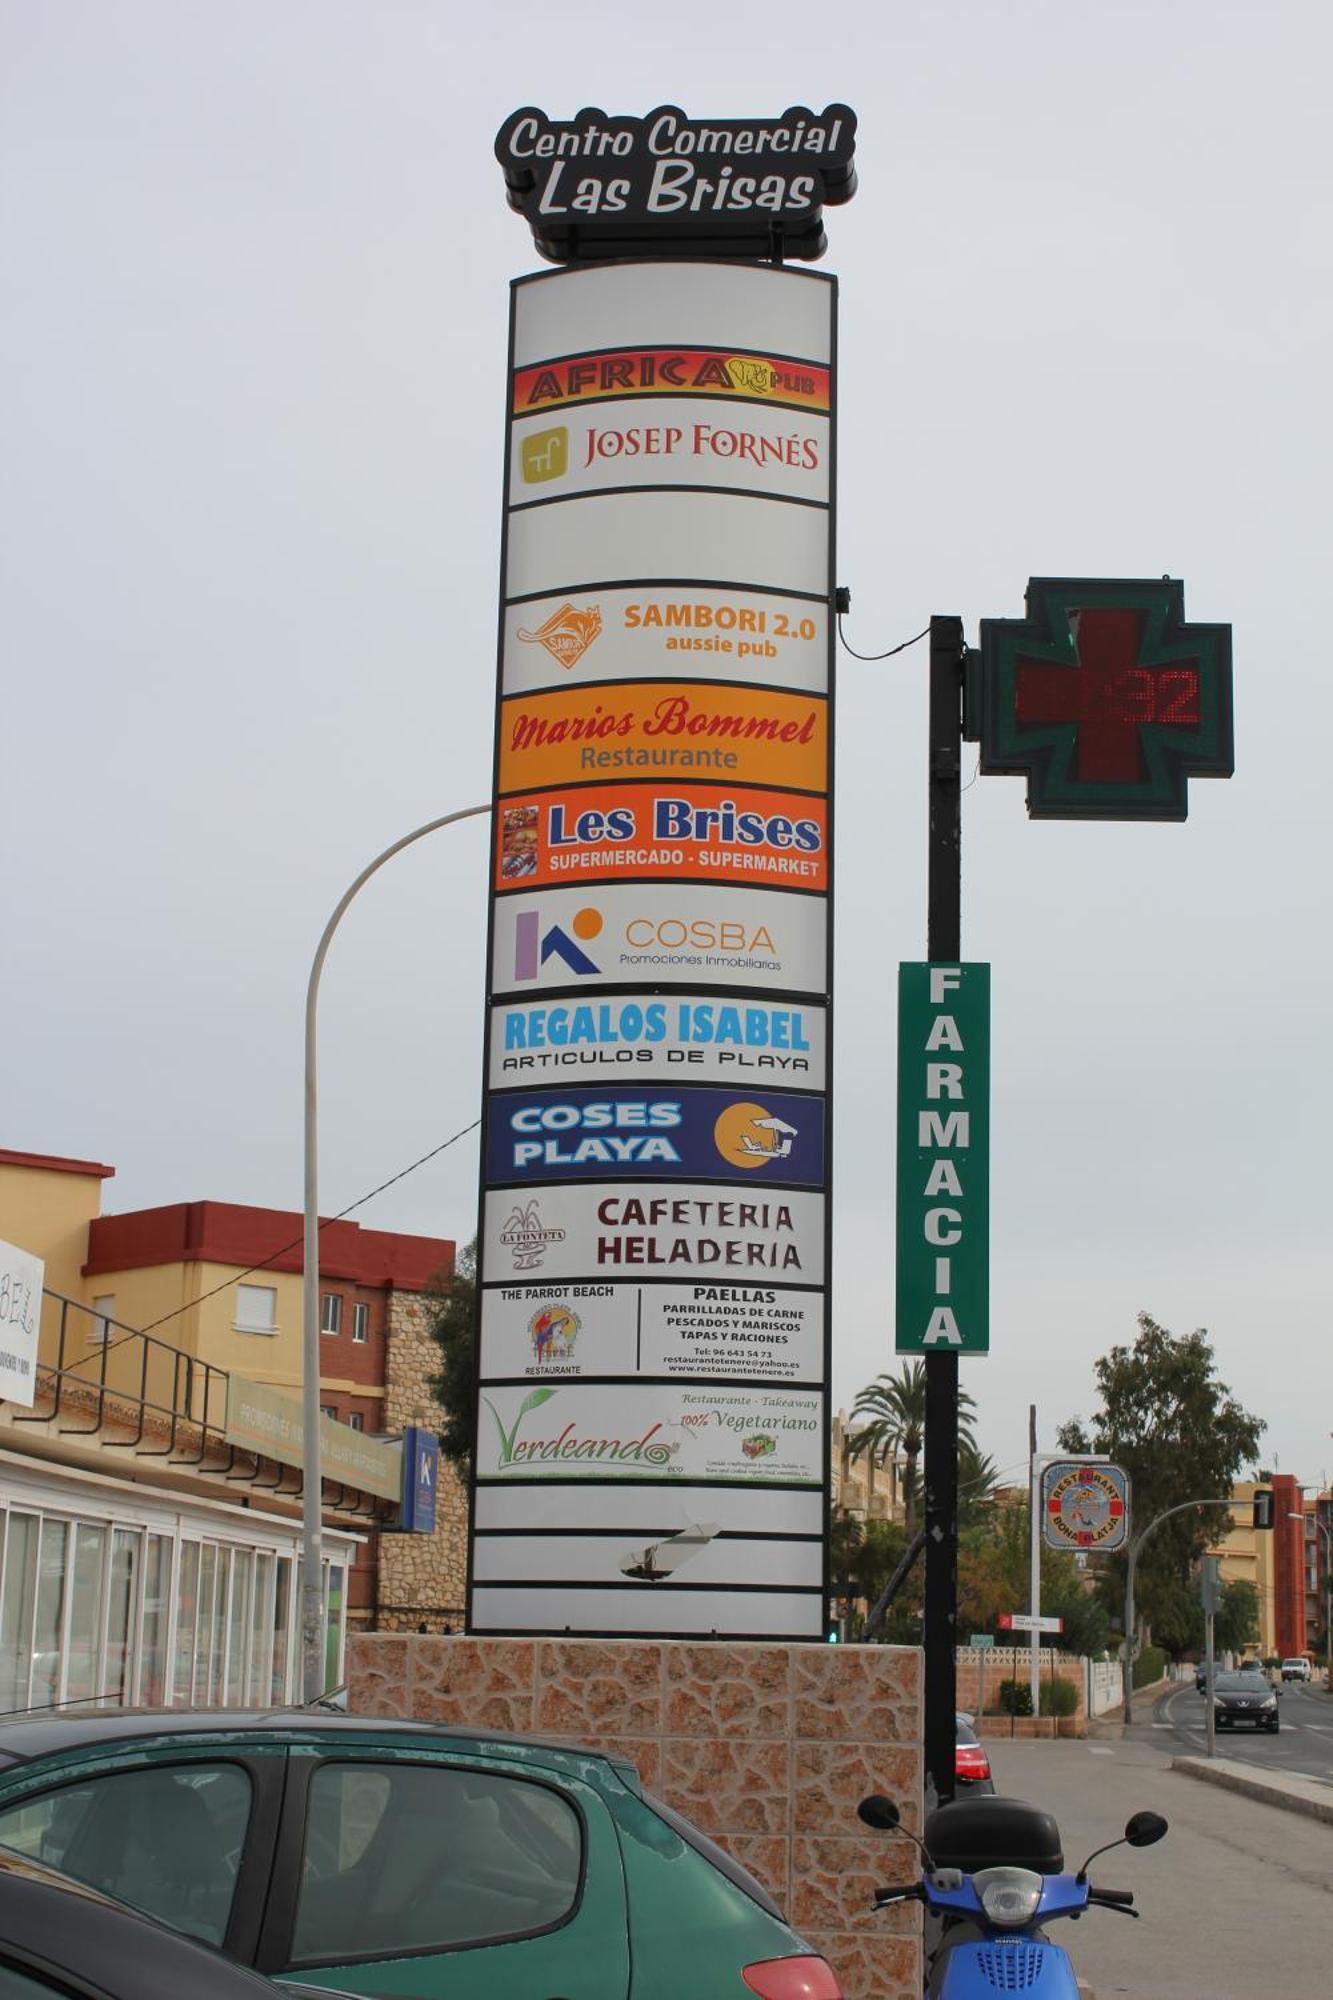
(654, 1245)
(667, 185)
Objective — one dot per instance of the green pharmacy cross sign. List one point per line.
(1105, 698)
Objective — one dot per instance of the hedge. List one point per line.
(1150, 1666)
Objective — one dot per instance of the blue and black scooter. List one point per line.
(993, 1877)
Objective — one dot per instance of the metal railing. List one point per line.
(115, 1375)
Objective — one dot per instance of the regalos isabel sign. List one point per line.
(653, 1254)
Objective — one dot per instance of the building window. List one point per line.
(361, 1322)
(256, 1309)
(355, 1420)
(104, 1311)
(328, 1410)
(331, 1317)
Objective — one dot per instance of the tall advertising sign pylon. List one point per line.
(652, 1442)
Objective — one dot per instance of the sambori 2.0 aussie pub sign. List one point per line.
(652, 1437)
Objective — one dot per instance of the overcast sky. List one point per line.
(256, 258)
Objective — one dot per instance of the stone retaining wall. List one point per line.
(767, 1748)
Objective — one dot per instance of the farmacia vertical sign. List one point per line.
(653, 1418)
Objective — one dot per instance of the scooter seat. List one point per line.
(992, 1832)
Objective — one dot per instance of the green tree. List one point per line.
(1181, 1435)
(977, 1478)
(896, 1408)
(451, 1319)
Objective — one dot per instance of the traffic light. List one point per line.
(832, 1636)
(1263, 1507)
(1210, 1584)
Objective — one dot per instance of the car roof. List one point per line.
(47, 1733)
(49, 1922)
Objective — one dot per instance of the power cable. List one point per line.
(296, 1243)
(900, 648)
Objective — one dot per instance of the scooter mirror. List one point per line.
(1145, 1829)
(879, 1812)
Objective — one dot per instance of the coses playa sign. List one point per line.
(667, 185)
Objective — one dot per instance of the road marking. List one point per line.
(1094, 1750)
(1164, 1725)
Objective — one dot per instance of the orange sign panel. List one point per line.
(683, 831)
(663, 729)
(667, 371)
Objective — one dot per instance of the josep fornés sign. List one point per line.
(663, 185)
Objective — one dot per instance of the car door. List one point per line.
(183, 1833)
(445, 1873)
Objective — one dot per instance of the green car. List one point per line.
(387, 1857)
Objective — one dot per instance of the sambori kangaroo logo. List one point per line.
(567, 633)
(569, 1447)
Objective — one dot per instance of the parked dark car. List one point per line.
(971, 1766)
(1241, 1700)
(58, 1937)
(378, 1856)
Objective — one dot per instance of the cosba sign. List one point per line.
(667, 185)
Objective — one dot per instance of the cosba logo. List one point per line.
(533, 945)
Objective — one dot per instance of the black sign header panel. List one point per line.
(595, 187)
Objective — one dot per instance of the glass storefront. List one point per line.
(155, 1614)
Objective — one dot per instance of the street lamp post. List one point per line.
(312, 1573)
(1328, 1587)
(1184, 1506)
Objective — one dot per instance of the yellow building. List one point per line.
(150, 1511)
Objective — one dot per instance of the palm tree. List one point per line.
(896, 1407)
(977, 1478)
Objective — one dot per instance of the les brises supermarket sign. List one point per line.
(594, 187)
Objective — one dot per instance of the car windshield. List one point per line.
(1241, 1684)
(964, 1732)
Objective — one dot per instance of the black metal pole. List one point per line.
(944, 947)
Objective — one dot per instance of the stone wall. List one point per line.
(767, 1748)
(422, 1578)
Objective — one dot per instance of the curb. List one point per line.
(1298, 1795)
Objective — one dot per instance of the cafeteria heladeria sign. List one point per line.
(595, 187)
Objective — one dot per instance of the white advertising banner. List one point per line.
(762, 1511)
(21, 1279)
(723, 539)
(654, 1229)
(675, 1613)
(604, 1559)
(658, 1431)
(655, 631)
(628, 1038)
(626, 307)
(691, 934)
(733, 1332)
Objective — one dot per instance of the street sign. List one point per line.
(1021, 1621)
(981, 1642)
(1105, 698)
(1084, 1505)
(943, 1267)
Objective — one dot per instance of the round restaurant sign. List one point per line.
(1085, 1506)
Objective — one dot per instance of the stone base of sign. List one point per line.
(767, 1748)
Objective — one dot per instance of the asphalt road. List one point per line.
(1303, 1745)
(1236, 1902)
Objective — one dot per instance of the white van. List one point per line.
(1296, 1669)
